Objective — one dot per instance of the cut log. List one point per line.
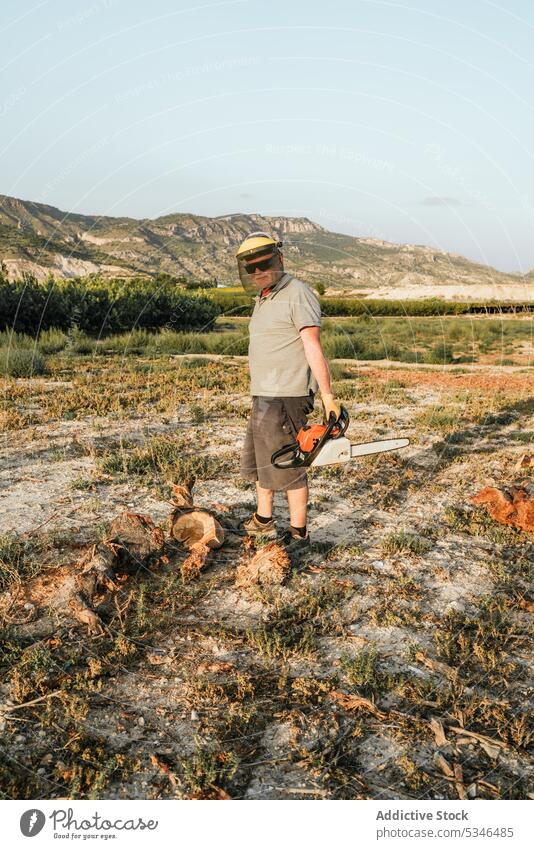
(135, 538)
(195, 526)
(269, 566)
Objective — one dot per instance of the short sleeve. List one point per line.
(305, 308)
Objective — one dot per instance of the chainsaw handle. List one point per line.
(294, 461)
(340, 424)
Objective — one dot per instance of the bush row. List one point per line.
(425, 307)
(101, 307)
(234, 303)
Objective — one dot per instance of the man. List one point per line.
(287, 366)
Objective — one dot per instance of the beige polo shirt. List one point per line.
(277, 363)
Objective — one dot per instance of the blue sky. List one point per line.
(410, 122)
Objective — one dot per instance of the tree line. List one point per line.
(99, 306)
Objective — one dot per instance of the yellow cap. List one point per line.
(255, 242)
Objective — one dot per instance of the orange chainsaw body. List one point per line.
(309, 435)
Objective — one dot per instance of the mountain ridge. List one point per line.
(42, 239)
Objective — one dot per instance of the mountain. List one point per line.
(41, 239)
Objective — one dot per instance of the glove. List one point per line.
(330, 405)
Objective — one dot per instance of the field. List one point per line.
(395, 663)
(434, 340)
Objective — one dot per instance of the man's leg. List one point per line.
(297, 500)
(265, 501)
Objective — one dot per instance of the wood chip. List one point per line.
(181, 494)
(526, 461)
(193, 564)
(459, 781)
(436, 726)
(217, 666)
(436, 665)
(444, 765)
(357, 703)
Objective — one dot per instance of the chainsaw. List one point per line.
(325, 444)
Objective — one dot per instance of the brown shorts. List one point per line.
(273, 423)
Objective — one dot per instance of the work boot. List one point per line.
(253, 528)
(293, 542)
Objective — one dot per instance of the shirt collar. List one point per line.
(284, 280)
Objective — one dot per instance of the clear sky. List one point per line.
(411, 122)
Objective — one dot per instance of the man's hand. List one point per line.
(330, 405)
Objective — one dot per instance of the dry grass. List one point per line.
(414, 606)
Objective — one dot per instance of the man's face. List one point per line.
(264, 278)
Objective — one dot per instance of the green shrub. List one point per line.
(439, 353)
(404, 542)
(231, 302)
(80, 343)
(16, 559)
(363, 671)
(198, 414)
(340, 346)
(339, 372)
(164, 456)
(8, 339)
(438, 418)
(193, 362)
(52, 341)
(136, 342)
(230, 343)
(28, 305)
(21, 362)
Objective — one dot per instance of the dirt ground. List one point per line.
(403, 291)
(396, 661)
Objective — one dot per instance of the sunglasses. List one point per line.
(263, 265)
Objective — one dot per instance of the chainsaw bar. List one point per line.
(364, 448)
(341, 451)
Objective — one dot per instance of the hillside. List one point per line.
(41, 239)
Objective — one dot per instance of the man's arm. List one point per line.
(311, 339)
